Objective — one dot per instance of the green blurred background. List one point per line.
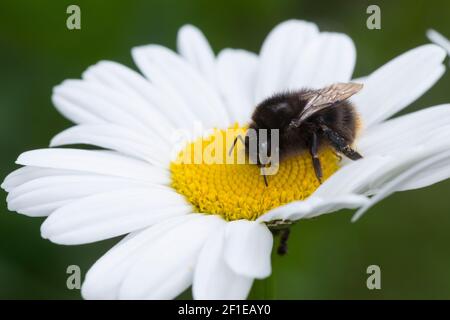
(407, 235)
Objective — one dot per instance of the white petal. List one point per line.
(354, 178)
(398, 83)
(104, 278)
(108, 105)
(213, 278)
(368, 175)
(432, 174)
(41, 196)
(168, 71)
(314, 206)
(248, 245)
(406, 178)
(25, 174)
(439, 39)
(411, 157)
(100, 162)
(329, 58)
(123, 140)
(411, 130)
(350, 201)
(111, 214)
(166, 267)
(360, 79)
(194, 47)
(132, 84)
(279, 53)
(237, 71)
(73, 111)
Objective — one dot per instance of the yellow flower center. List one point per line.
(236, 191)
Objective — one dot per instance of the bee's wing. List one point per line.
(327, 97)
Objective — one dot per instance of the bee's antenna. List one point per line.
(264, 176)
(265, 181)
(234, 144)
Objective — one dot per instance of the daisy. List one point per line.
(209, 226)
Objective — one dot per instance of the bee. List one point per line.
(307, 120)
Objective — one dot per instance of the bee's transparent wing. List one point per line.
(325, 98)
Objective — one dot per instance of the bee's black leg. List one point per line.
(315, 157)
(340, 144)
(283, 247)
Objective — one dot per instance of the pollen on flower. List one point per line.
(236, 190)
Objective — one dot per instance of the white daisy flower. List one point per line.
(209, 225)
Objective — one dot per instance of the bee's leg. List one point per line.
(283, 247)
(313, 148)
(340, 144)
